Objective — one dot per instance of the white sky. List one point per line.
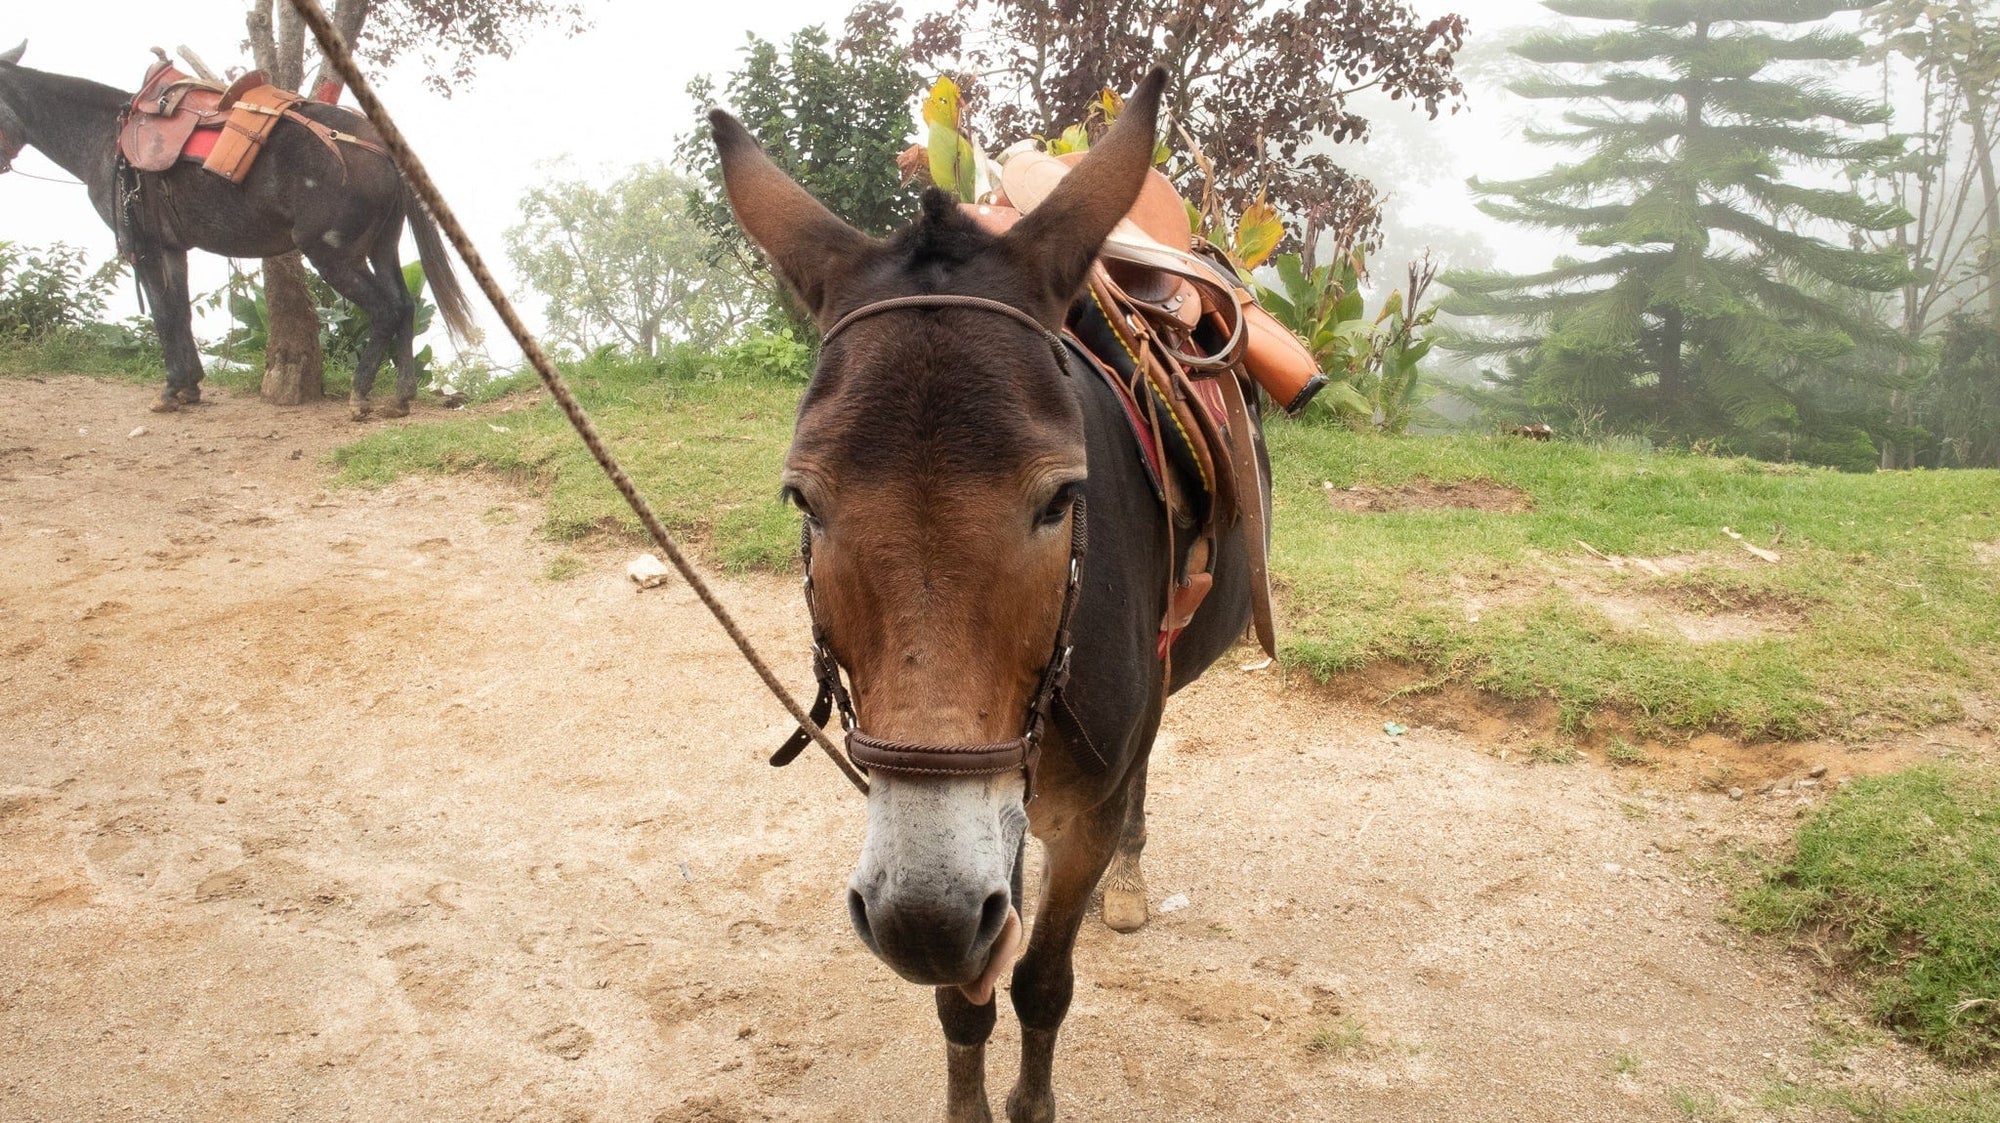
(609, 97)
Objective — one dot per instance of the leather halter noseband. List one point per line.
(7, 154)
(874, 754)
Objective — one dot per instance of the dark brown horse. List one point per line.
(943, 455)
(343, 211)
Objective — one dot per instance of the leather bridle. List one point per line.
(7, 153)
(875, 754)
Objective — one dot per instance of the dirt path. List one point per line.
(325, 806)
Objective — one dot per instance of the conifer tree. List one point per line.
(1713, 285)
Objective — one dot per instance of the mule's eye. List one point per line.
(1058, 506)
(797, 499)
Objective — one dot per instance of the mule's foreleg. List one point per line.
(163, 277)
(966, 1028)
(1045, 978)
(390, 312)
(1124, 883)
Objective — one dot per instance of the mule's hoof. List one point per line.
(1124, 909)
(166, 404)
(360, 414)
(189, 395)
(399, 409)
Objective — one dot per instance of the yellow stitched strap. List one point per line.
(1145, 372)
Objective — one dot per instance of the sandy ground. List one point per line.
(325, 805)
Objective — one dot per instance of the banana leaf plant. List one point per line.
(1371, 362)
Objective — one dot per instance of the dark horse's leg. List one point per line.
(1077, 853)
(163, 276)
(1124, 883)
(966, 1028)
(390, 311)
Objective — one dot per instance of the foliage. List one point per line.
(1961, 403)
(47, 290)
(1903, 873)
(626, 263)
(833, 114)
(1255, 83)
(445, 38)
(1370, 362)
(954, 158)
(1702, 310)
(774, 352)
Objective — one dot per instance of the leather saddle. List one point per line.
(164, 114)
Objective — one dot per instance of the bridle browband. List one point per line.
(874, 754)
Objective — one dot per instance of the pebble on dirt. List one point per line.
(139, 432)
(1736, 793)
(648, 571)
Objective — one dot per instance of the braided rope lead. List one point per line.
(335, 51)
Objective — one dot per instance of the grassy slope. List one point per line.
(1896, 616)
(1895, 619)
(1902, 872)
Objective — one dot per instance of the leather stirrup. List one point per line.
(1243, 460)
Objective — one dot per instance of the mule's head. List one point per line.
(13, 130)
(938, 457)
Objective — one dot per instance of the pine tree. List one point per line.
(1713, 285)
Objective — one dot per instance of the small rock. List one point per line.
(1736, 793)
(648, 571)
(1766, 787)
(1782, 786)
(1802, 785)
(1175, 903)
(139, 432)
(1613, 867)
(1817, 771)
(1394, 729)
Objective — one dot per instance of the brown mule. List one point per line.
(943, 455)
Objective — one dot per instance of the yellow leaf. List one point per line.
(946, 151)
(1258, 233)
(942, 104)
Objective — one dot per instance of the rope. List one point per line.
(47, 179)
(336, 53)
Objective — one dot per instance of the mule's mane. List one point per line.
(42, 91)
(940, 242)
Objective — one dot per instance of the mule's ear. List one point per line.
(1056, 242)
(812, 248)
(14, 55)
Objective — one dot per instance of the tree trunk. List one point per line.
(294, 369)
(1982, 154)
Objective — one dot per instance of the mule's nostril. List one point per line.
(992, 918)
(857, 912)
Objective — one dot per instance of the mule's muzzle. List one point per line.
(932, 939)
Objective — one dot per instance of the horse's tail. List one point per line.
(445, 290)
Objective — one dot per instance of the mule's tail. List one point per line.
(438, 271)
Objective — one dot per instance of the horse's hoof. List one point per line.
(166, 404)
(1124, 910)
(400, 409)
(189, 395)
(1124, 896)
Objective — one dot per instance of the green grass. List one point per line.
(1338, 1039)
(705, 449)
(1975, 1100)
(1900, 875)
(1893, 617)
